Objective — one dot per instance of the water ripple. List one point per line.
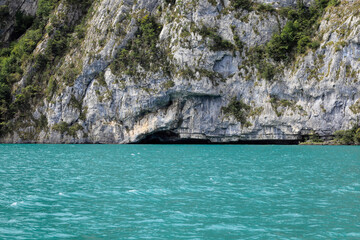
(179, 192)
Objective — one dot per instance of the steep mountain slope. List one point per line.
(121, 71)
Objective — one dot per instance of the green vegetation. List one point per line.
(63, 127)
(187, 73)
(258, 58)
(168, 84)
(238, 43)
(341, 137)
(239, 110)
(12, 59)
(280, 105)
(15, 59)
(250, 5)
(348, 137)
(297, 34)
(218, 43)
(313, 139)
(296, 37)
(355, 108)
(242, 4)
(265, 8)
(101, 79)
(81, 2)
(141, 50)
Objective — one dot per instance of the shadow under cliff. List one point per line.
(170, 137)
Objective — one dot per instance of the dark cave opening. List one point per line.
(170, 137)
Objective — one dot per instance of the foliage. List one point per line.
(258, 57)
(45, 7)
(77, 1)
(355, 108)
(84, 4)
(268, 71)
(57, 44)
(242, 4)
(314, 138)
(64, 127)
(279, 105)
(168, 84)
(239, 44)
(295, 37)
(262, 7)
(74, 128)
(23, 100)
(142, 50)
(20, 52)
(51, 88)
(238, 109)
(71, 74)
(348, 137)
(298, 31)
(61, 127)
(11, 60)
(219, 44)
(101, 79)
(15, 59)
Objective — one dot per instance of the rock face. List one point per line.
(10, 8)
(317, 92)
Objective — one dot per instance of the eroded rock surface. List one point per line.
(316, 92)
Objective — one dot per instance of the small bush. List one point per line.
(140, 51)
(268, 71)
(315, 138)
(265, 8)
(168, 84)
(73, 129)
(238, 109)
(348, 137)
(242, 4)
(61, 127)
(239, 44)
(298, 31)
(219, 44)
(51, 88)
(57, 45)
(314, 44)
(258, 57)
(101, 79)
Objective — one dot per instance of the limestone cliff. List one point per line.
(124, 71)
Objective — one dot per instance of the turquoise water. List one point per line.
(179, 192)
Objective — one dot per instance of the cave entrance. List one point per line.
(169, 137)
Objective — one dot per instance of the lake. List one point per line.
(179, 192)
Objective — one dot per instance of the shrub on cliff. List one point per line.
(237, 109)
(142, 50)
(297, 34)
(348, 137)
(242, 4)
